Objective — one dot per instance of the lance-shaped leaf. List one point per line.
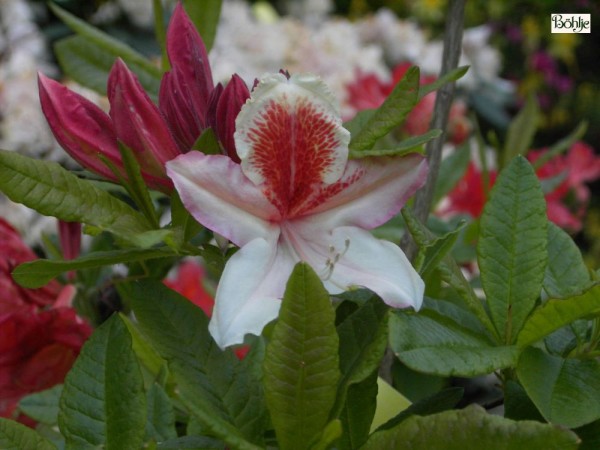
(227, 400)
(565, 391)
(16, 436)
(521, 131)
(453, 75)
(205, 15)
(413, 144)
(432, 343)
(42, 406)
(566, 273)
(363, 339)
(99, 48)
(301, 363)
(390, 114)
(470, 428)
(358, 412)
(54, 191)
(557, 313)
(37, 273)
(89, 64)
(103, 401)
(512, 247)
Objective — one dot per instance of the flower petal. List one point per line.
(250, 291)
(184, 99)
(371, 191)
(216, 192)
(230, 102)
(80, 127)
(374, 264)
(289, 137)
(138, 121)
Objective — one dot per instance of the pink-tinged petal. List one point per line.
(191, 82)
(138, 122)
(582, 163)
(80, 127)
(360, 260)
(178, 112)
(372, 191)
(289, 137)
(250, 291)
(216, 192)
(562, 216)
(230, 103)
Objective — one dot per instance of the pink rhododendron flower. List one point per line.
(40, 336)
(154, 134)
(369, 92)
(188, 282)
(468, 196)
(294, 197)
(567, 203)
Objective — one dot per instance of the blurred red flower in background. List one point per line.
(40, 335)
(566, 200)
(368, 92)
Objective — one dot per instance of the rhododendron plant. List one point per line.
(368, 91)
(296, 197)
(188, 104)
(322, 331)
(40, 334)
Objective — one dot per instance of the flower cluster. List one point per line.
(41, 334)
(189, 103)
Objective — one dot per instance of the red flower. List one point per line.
(369, 92)
(468, 196)
(39, 338)
(568, 201)
(154, 134)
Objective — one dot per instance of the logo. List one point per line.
(571, 23)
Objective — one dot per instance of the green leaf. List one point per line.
(15, 436)
(438, 249)
(432, 343)
(37, 273)
(566, 391)
(557, 313)
(521, 131)
(451, 171)
(160, 423)
(390, 114)
(413, 144)
(471, 428)
(512, 247)
(363, 340)
(358, 412)
(89, 65)
(208, 143)
(438, 402)
(102, 50)
(562, 145)
(103, 402)
(566, 273)
(205, 15)
(517, 404)
(331, 433)
(453, 75)
(42, 406)
(450, 272)
(358, 122)
(227, 400)
(301, 367)
(54, 191)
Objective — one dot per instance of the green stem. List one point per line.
(160, 31)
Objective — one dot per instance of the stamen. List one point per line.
(330, 263)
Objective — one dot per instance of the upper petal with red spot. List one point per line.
(290, 139)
